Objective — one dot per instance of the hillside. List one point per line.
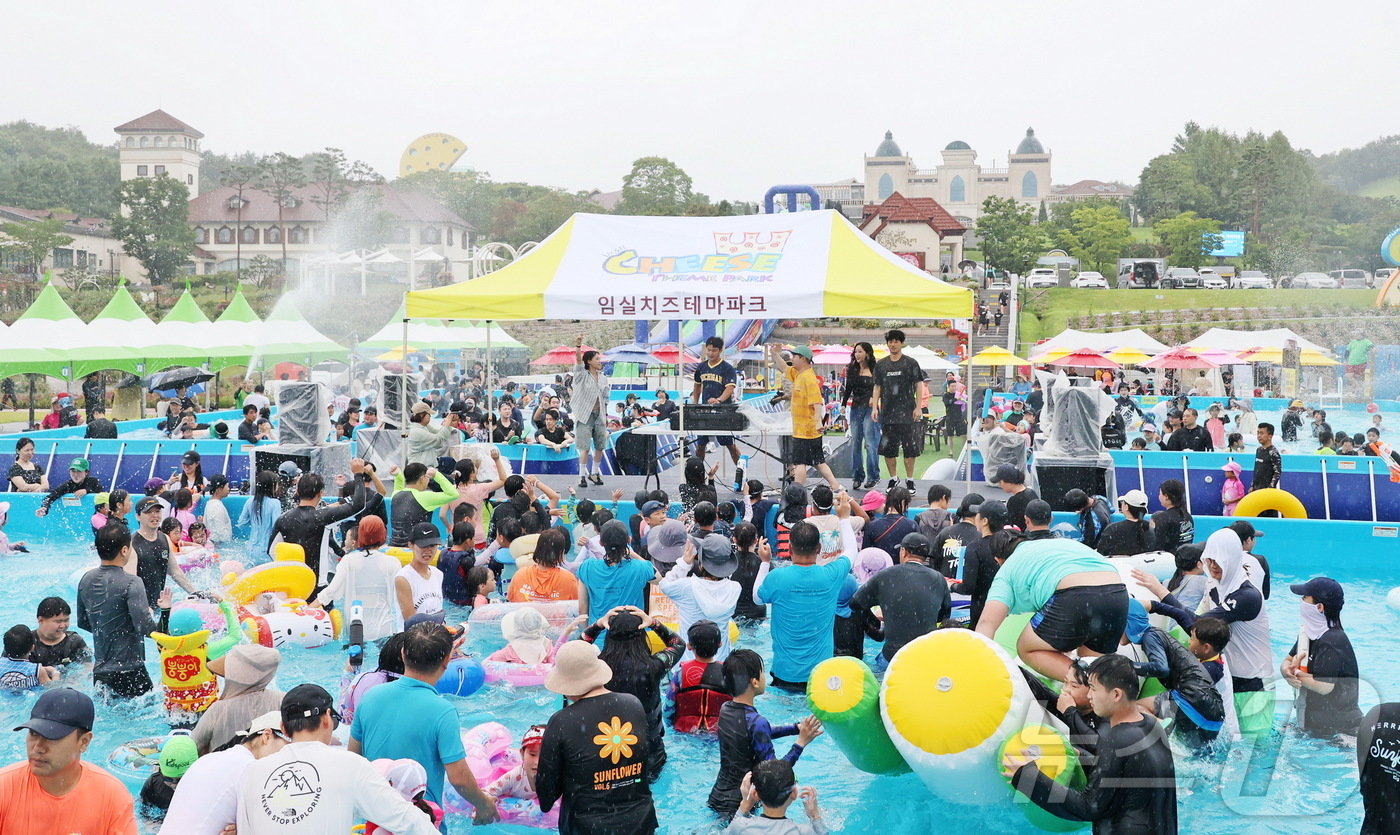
(1384, 187)
(56, 168)
(1176, 316)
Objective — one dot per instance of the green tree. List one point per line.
(1011, 240)
(1097, 237)
(36, 239)
(154, 225)
(280, 175)
(655, 186)
(334, 178)
(239, 177)
(42, 168)
(1042, 216)
(546, 213)
(1188, 239)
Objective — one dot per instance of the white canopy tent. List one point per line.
(1237, 341)
(1074, 340)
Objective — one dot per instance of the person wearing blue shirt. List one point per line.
(618, 579)
(406, 718)
(804, 597)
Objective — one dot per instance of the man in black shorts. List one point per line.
(899, 389)
(806, 448)
(715, 382)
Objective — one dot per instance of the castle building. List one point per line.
(960, 184)
(157, 145)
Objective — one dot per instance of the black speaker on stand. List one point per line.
(399, 392)
(301, 414)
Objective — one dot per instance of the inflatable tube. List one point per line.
(1058, 760)
(464, 677)
(1271, 498)
(192, 558)
(559, 615)
(209, 613)
(1160, 564)
(135, 760)
(951, 698)
(843, 693)
(290, 579)
(491, 753)
(516, 675)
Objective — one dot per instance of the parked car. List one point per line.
(1352, 279)
(1212, 280)
(1384, 275)
(1313, 281)
(1181, 278)
(1042, 277)
(1089, 280)
(1140, 273)
(1253, 280)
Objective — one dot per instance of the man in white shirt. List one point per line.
(206, 801)
(309, 787)
(257, 398)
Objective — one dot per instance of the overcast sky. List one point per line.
(742, 95)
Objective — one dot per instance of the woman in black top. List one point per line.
(638, 671)
(865, 433)
(26, 474)
(1174, 526)
(889, 529)
(1131, 535)
(750, 553)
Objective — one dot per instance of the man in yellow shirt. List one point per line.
(807, 407)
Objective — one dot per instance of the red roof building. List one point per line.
(916, 229)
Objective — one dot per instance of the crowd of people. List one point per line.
(823, 572)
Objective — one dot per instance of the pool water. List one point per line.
(1303, 785)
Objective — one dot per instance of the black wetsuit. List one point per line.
(1200, 709)
(946, 554)
(112, 606)
(90, 484)
(1378, 756)
(1126, 537)
(745, 575)
(71, 650)
(306, 526)
(745, 740)
(1174, 528)
(979, 570)
(645, 684)
(601, 789)
(1132, 790)
(913, 598)
(152, 563)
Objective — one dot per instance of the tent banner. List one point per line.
(752, 266)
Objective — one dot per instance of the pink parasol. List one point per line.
(667, 354)
(833, 355)
(562, 355)
(1084, 358)
(1180, 357)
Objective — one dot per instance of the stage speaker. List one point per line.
(381, 446)
(301, 414)
(1054, 480)
(395, 389)
(636, 454)
(326, 460)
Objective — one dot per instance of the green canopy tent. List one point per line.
(286, 336)
(123, 337)
(39, 339)
(232, 335)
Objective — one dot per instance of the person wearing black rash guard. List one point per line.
(1324, 670)
(413, 502)
(306, 524)
(1132, 788)
(951, 543)
(1233, 599)
(1173, 525)
(593, 759)
(79, 484)
(912, 596)
(1378, 759)
(1133, 533)
(979, 566)
(1191, 700)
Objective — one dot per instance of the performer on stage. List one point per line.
(807, 407)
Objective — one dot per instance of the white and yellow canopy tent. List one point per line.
(794, 265)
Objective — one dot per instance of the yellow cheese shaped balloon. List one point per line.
(431, 152)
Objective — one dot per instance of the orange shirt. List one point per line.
(98, 804)
(806, 397)
(537, 584)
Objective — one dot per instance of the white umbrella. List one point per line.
(929, 360)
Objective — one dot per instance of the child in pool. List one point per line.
(17, 672)
(6, 546)
(1232, 490)
(520, 781)
(745, 737)
(199, 536)
(1234, 443)
(1189, 583)
(174, 532)
(773, 786)
(481, 586)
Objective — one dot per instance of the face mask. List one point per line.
(1314, 621)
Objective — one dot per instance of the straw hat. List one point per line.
(577, 670)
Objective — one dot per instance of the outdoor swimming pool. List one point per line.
(1303, 785)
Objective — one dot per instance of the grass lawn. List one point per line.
(1047, 312)
(1386, 187)
(1143, 234)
